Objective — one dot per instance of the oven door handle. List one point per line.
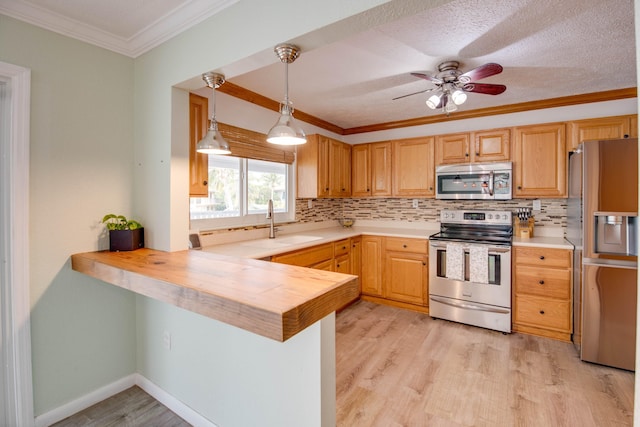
(492, 250)
(469, 306)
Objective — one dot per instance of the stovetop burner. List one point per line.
(493, 227)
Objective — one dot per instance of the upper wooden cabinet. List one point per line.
(361, 170)
(539, 161)
(324, 168)
(491, 145)
(381, 169)
(481, 146)
(198, 162)
(602, 128)
(413, 167)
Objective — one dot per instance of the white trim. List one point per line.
(96, 396)
(16, 306)
(174, 22)
(175, 405)
(83, 402)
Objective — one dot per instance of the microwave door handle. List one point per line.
(491, 183)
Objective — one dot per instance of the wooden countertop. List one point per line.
(273, 300)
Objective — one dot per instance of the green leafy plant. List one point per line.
(120, 222)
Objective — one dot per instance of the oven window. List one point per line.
(494, 266)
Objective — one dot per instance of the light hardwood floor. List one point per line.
(402, 368)
(131, 408)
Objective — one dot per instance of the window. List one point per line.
(239, 190)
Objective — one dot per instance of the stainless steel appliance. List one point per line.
(470, 268)
(474, 181)
(602, 215)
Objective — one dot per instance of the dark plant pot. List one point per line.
(126, 240)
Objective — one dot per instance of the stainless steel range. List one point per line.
(470, 268)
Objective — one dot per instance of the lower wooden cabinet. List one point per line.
(395, 271)
(542, 292)
(314, 257)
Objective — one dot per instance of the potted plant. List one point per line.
(124, 234)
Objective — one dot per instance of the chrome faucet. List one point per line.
(271, 217)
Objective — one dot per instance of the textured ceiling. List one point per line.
(548, 48)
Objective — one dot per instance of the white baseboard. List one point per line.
(90, 399)
(175, 405)
(77, 405)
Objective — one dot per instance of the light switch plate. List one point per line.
(415, 203)
(537, 205)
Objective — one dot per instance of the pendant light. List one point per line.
(286, 131)
(213, 142)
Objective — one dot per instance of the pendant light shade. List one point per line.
(213, 142)
(286, 131)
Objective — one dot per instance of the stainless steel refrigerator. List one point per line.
(602, 212)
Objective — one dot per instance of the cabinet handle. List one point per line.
(541, 282)
(542, 257)
(541, 311)
(205, 182)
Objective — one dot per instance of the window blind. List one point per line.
(253, 145)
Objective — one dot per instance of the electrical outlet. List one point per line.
(166, 340)
(537, 205)
(309, 203)
(415, 203)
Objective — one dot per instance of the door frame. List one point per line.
(14, 193)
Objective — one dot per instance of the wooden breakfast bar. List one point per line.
(273, 300)
(256, 333)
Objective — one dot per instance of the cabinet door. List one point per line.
(406, 277)
(324, 164)
(198, 162)
(341, 161)
(633, 126)
(371, 277)
(451, 149)
(381, 169)
(413, 167)
(356, 256)
(602, 128)
(491, 146)
(343, 264)
(360, 170)
(540, 161)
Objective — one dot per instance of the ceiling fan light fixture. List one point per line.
(434, 101)
(286, 131)
(213, 142)
(458, 97)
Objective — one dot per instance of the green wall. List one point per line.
(83, 331)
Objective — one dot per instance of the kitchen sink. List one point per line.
(297, 239)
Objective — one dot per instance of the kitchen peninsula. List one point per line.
(287, 378)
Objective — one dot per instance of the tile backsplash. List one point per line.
(552, 214)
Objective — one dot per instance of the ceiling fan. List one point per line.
(451, 84)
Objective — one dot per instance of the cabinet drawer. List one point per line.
(543, 312)
(543, 257)
(406, 245)
(341, 247)
(544, 282)
(307, 257)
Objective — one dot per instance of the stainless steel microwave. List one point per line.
(474, 181)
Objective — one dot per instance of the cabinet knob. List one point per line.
(541, 311)
(542, 257)
(368, 190)
(519, 187)
(477, 154)
(430, 188)
(326, 189)
(404, 246)
(338, 265)
(541, 282)
(466, 154)
(344, 247)
(424, 263)
(343, 189)
(205, 182)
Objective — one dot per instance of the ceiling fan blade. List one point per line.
(411, 94)
(427, 77)
(488, 89)
(481, 72)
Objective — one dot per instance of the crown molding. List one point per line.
(156, 33)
